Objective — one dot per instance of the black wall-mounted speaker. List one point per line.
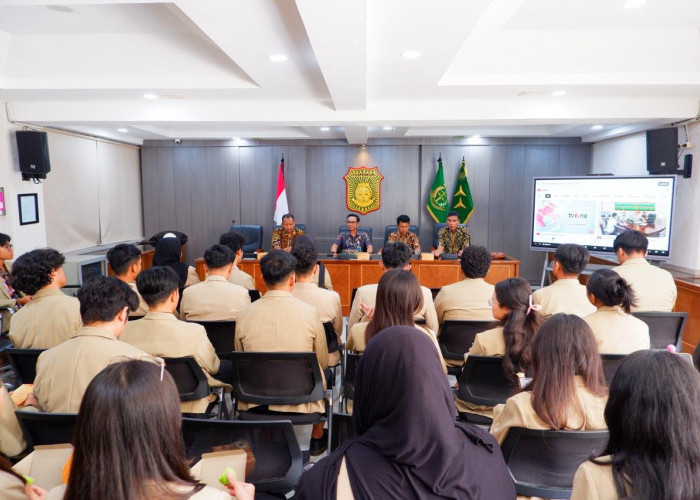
(33, 150)
(662, 150)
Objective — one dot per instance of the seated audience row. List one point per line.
(10, 297)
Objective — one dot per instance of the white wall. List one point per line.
(627, 156)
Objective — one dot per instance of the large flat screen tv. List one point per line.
(592, 211)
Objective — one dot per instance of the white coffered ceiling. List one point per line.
(486, 67)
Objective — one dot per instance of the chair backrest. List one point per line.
(276, 378)
(664, 327)
(611, 362)
(298, 226)
(351, 361)
(221, 334)
(368, 230)
(543, 462)
(390, 229)
(457, 336)
(46, 428)
(23, 362)
(483, 382)
(437, 228)
(331, 337)
(135, 318)
(274, 458)
(342, 429)
(252, 237)
(189, 378)
(254, 295)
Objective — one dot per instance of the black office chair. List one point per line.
(437, 228)
(275, 460)
(390, 229)
(135, 318)
(664, 328)
(23, 362)
(46, 428)
(350, 362)
(456, 337)
(254, 295)
(331, 337)
(611, 362)
(343, 430)
(483, 382)
(542, 463)
(221, 334)
(252, 236)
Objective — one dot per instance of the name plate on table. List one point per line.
(260, 255)
(362, 255)
(427, 256)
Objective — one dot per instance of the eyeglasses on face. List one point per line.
(8, 245)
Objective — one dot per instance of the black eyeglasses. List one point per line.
(8, 245)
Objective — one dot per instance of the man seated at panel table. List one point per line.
(235, 242)
(352, 240)
(161, 334)
(125, 261)
(452, 238)
(64, 372)
(394, 256)
(279, 322)
(215, 299)
(566, 294)
(283, 237)
(404, 235)
(654, 288)
(51, 317)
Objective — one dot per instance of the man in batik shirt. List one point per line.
(352, 240)
(403, 235)
(283, 237)
(452, 238)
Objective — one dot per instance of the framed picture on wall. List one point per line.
(28, 208)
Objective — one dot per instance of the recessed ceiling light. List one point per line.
(558, 93)
(597, 127)
(325, 129)
(60, 8)
(387, 128)
(150, 96)
(278, 58)
(475, 137)
(633, 4)
(123, 130)
(411, 54)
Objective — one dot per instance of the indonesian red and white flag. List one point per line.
(281, 206)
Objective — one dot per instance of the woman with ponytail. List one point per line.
(616, 331)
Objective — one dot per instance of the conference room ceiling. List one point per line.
(492, 68)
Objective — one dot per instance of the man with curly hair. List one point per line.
(51, 317)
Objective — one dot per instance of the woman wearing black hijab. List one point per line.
(168, 254)
(409, 445)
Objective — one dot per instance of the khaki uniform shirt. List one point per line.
(192, 277)
(241, 278)
(214, 299)
(11, 436)
(617, 332)
(143, 307)
(518, 412)
(327, 305)
(279, 322)
(163, 335)
(50, 318)
(12, 488)
(64, 372)
(466, 300)
(654, 288)
(367, 294)
(6, 300)
(594, 482)
(563, 296)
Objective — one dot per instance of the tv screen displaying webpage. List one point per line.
(592, 211)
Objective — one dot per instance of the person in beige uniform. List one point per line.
(125, 261)
(326, 302)
(9, 297)
(279, 322)
(566, 294)
(64, 372)
(654, 288)
(564, 351)
(215, 299)
(12, 441)
(394, 256)
(616, 331)
(467, 299)
(235, 242)
(654, 438)
(51, 317)
(161, 334)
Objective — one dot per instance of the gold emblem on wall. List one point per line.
(363, 189)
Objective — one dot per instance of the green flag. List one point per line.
(437, 200)
(462, 199)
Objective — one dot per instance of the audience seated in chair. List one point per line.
(125, 261)
(215, 299)
(279, 322)
(161, 334)
(568, 388)
(169, 253)
(51, 317)
(566, 294)
(394, 256)
(64, 372)
(654, 447)
(11, 300)
(409, 444)
(616, 331)
(511, 305)
(234, 241)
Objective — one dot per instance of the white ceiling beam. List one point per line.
(356, 135)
